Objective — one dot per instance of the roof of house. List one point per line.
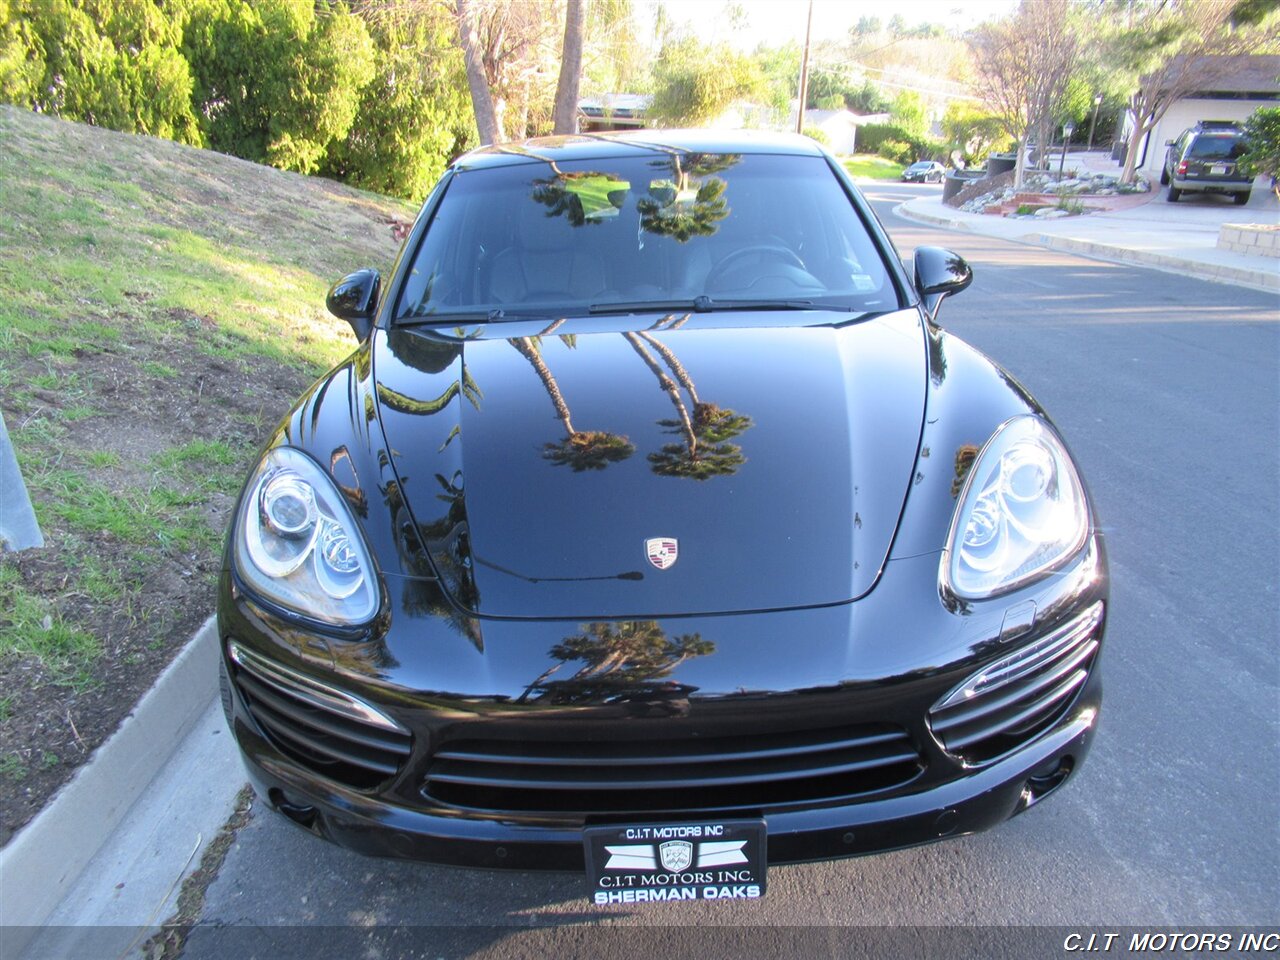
(616, 104)
(1234, 74)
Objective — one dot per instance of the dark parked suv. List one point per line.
(1205, 158)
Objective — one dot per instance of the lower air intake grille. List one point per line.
(1018, 697)
(324, 729)
(711, 773)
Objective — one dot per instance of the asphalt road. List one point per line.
(1167, 389)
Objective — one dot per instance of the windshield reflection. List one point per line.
(682, 207)
(554, 237)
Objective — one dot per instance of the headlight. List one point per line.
(297, 544)
(1021, 514)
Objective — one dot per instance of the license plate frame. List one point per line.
(709, 859)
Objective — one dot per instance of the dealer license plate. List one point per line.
(695, 860)
(1218, 169)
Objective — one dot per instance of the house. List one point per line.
(744, 115)
(613, 111)
(1232, 89)
(839, 126)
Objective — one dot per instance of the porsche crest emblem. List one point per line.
(662, 551)
(675, 854)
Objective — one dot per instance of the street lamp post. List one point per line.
(1068, 129)
(1097, 102)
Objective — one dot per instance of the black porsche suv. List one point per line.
(1206, 159)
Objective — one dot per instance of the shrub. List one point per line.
(415, 115)
(22, 61)
(276, 83)
(871, 136)
(908, 113)
(694, 83)
(972, 133)
(1262, 131)
(115, 66)
(818, 134)
(897, 151)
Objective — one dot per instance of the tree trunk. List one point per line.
(1044, 136)
(487, 124)
(1020, 163)
(676, 366)
(530, 352)
(669, 386)
(566, 109)
(1142, 124)
(1131, 158)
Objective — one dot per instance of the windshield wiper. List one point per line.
(496, 315)
(704, 305)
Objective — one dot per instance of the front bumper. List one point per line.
(982, 800)
(887, 642)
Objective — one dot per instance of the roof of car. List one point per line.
(633, 143)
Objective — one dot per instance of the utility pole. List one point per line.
(804, 73)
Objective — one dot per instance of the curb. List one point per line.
(927, 218)
(1264, 280)
(46, 857)
(1267, 281)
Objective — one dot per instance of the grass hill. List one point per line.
(160, 308)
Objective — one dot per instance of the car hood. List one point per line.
(766, 456)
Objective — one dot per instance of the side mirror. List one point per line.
(939, 273)
(1168, 143)
(354, 299)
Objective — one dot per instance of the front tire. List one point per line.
(1241, 198)
(1164, 176)
(1174, 194)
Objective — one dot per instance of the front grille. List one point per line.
(1018, 697)
(324, 729)
(698, 773)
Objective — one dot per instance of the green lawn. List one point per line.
(160, 308)
(869, 166)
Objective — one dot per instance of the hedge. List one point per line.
(873, 136)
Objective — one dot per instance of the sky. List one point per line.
(776, 21)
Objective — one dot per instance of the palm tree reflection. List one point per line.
(966, 454)
(619, 661)
(706, 451)
(682, 207)
(689, 203)
(579, 449)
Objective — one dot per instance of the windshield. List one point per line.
(558, 237)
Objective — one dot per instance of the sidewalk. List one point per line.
(100, 866)
(1177, 237)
